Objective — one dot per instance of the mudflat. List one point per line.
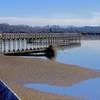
(17, 71)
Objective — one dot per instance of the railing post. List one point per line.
(4, 50)
(1, 45)
(14, 45)
(18, 44)
(9, 45)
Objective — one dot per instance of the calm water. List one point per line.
(88, 89)
(88, 55)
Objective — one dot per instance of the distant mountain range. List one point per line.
(6, 28)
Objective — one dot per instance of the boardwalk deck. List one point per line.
(15, 43)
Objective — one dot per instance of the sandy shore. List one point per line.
(15, 72)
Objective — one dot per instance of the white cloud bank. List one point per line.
(50, 21)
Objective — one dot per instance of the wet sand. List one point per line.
(16, 72)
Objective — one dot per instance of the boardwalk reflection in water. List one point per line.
(46, 54)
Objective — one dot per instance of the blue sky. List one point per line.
(43, 12)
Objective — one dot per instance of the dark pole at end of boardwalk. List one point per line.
(50, 52)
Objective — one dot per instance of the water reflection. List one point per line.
(50, 52)
(87, 55)
(87, 89)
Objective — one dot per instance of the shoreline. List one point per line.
(17, 71)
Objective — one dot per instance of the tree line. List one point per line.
(6, 28)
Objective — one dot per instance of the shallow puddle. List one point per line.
(89, 89)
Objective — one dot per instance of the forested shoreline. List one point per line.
(6, 28)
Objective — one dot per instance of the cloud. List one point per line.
(51, 21)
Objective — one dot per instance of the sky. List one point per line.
(50, 12)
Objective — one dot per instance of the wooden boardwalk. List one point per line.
(15, 43)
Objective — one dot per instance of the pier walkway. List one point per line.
(15, 43)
